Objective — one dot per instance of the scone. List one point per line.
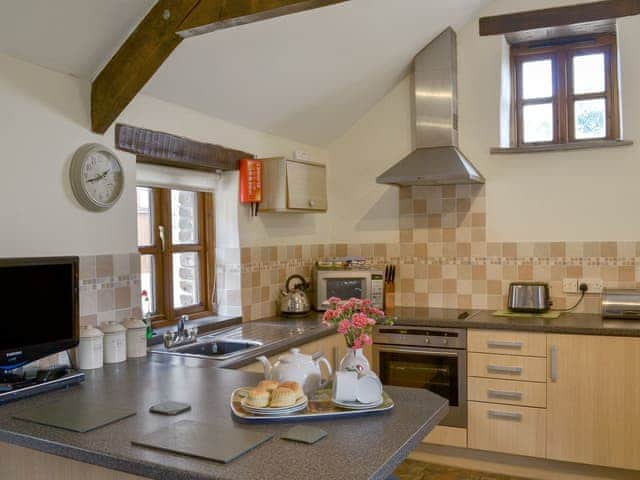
(258, 398)
(294, 387)
(282, 397)
(268, 385)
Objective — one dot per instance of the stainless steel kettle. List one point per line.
(294, 300)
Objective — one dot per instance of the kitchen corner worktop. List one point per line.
(358, 448)
(569, 323)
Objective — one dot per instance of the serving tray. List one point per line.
(320, 407)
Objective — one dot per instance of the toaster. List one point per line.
(528, 297)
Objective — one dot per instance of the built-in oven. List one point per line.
(423, 357)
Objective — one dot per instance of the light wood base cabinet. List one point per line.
(594, 400)
(507, 429)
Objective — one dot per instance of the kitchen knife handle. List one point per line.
(503, 344)
(505, 415)
(503, 369)
(553, 363)
(504, 394)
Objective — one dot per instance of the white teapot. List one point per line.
(298, 367)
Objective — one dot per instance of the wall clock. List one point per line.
(97, 178)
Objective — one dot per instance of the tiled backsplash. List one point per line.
(444, 260)
(109, 288)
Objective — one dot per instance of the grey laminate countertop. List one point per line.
(571, 323)
(358, 448)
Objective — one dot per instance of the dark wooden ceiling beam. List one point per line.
(557, 16)
(136, 61)
(211, 15)
(155, 38)
(160, 148)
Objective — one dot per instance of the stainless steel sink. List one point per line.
(217, 348)
(234, 341)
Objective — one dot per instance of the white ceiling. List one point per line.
(75, 37)
(307, 77)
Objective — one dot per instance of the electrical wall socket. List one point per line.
(570, 285)
(595, 284)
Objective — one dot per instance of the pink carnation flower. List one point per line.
(329, 315)
(334, 301)
(344, 326)
(366, 339)
(360, 320)
(357, 343)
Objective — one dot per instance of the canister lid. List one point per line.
(111, 327)
(89, 331)
(134, 323)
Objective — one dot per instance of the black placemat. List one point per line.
(202, 440)
(75, 416)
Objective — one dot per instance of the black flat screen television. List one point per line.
(39, 307)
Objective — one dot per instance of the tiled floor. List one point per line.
(413, 470)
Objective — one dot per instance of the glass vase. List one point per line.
(355, 361)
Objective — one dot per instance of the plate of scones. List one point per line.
(270, 397)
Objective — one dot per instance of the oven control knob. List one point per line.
(444, 341)
(426, 340)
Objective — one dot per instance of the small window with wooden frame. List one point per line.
(565, 91)
(176, 246)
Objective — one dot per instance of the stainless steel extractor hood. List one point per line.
(436, 159)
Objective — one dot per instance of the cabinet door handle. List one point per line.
(504, 394)
(503, 369)
(503, 344)
(505, 415)
(554, 363)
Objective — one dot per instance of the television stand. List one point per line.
(14, 386)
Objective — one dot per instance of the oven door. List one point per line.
(439, 370)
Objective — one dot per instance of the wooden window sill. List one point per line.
(562, 147)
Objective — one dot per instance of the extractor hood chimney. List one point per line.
(436, 159)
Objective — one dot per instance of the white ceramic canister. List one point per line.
(136, 337)
(115, 342)
(89, 352)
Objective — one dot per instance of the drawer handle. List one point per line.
(504, 394)
(505, 415)
(502, 369)
(502, 344)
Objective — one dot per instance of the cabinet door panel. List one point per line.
(306, 186)
(593, 400)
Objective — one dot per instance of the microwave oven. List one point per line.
(347, 283)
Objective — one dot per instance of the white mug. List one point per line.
(369, 389)
(345, 386)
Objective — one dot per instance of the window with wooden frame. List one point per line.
(176, 246)
(565, 91)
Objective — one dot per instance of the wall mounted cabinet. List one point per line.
(291, 186)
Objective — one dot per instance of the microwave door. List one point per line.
(346, 288)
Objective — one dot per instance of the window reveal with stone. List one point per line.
(175, 242)
(565, 91)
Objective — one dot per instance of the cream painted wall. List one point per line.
(45, 118)
(562, 196)
(365, 211)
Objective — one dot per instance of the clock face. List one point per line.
(96, 177)
(102, 177)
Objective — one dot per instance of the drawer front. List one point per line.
(507, 342)
(508, 392)
(508, 367)
(507, 429)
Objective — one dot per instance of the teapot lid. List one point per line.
(293, 355)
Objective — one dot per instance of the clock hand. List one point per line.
(99, 177)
